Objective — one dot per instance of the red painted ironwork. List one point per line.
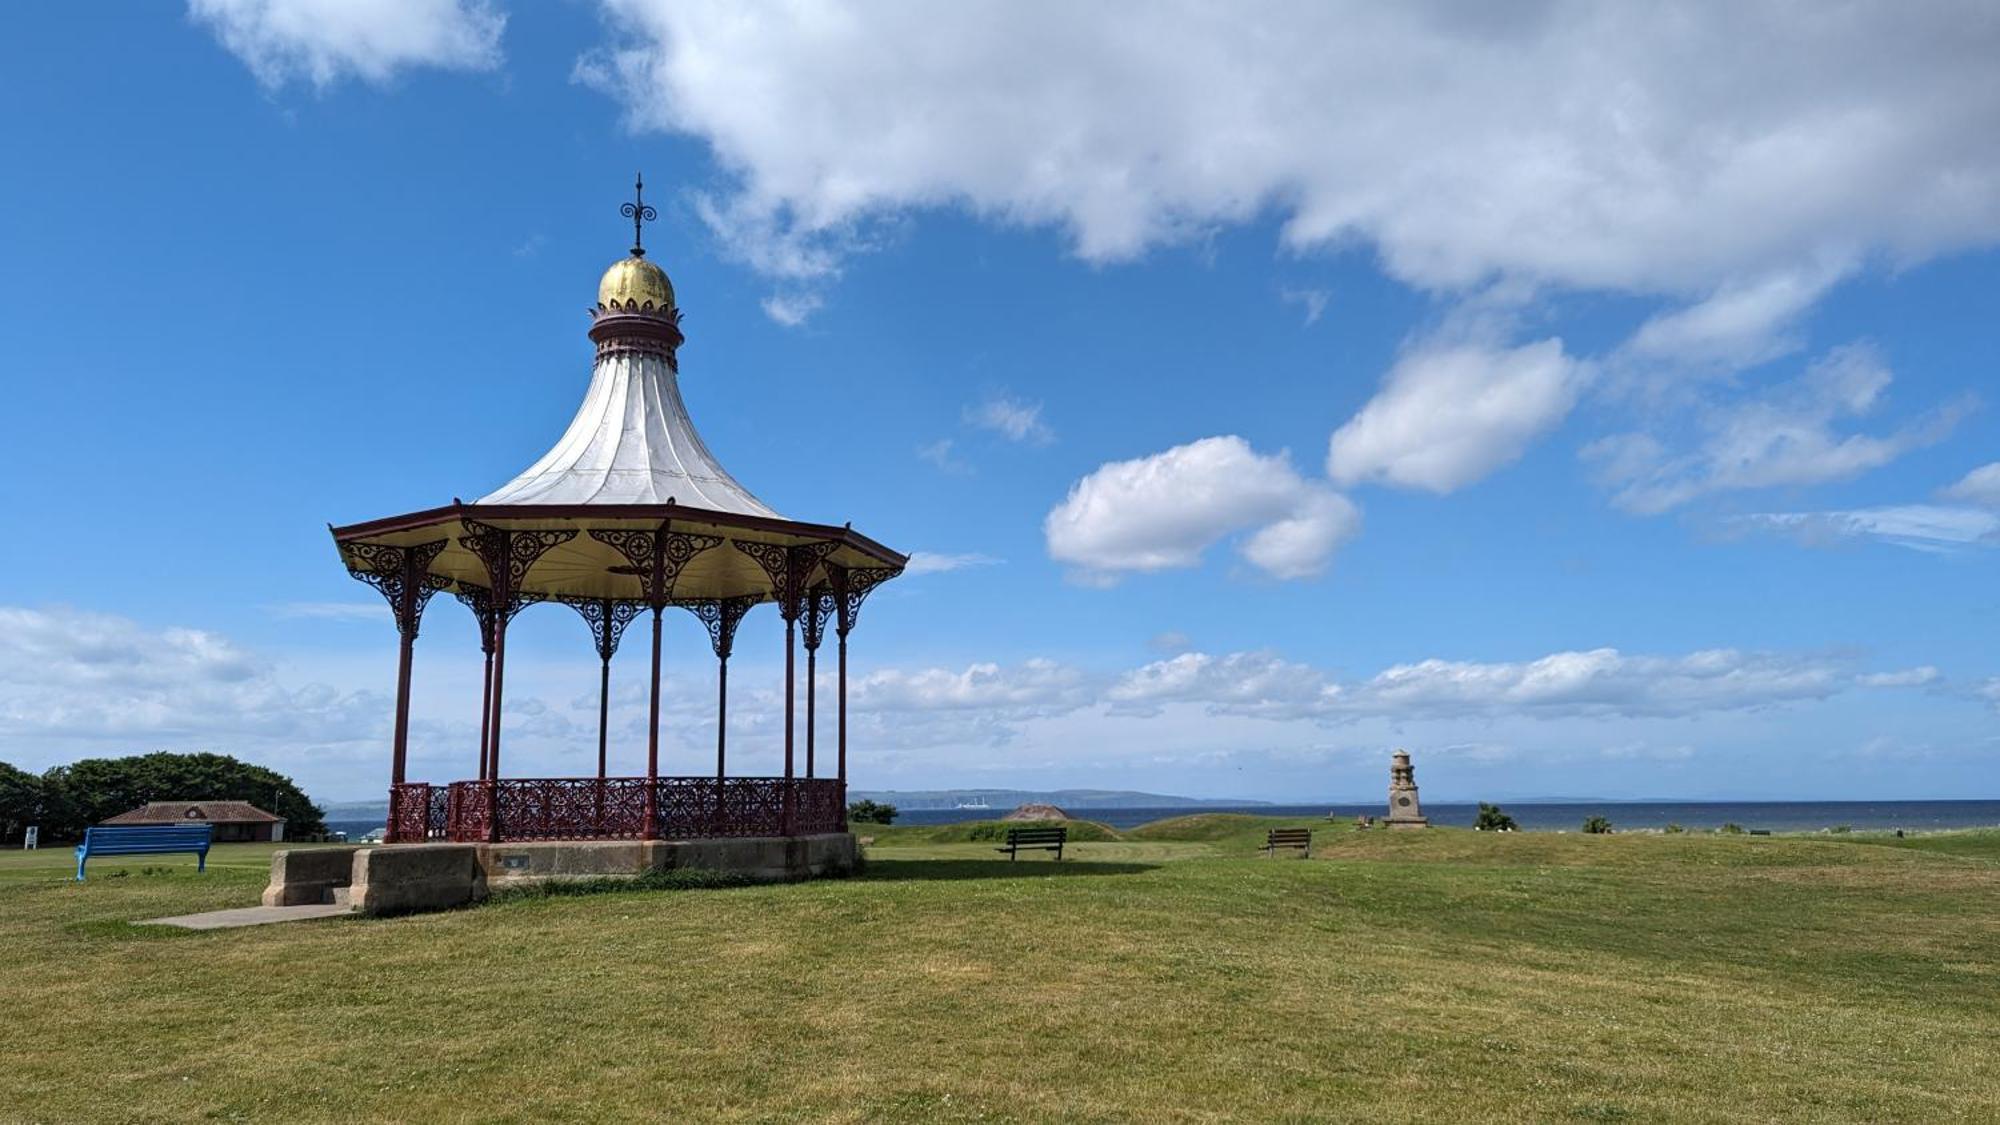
(401, 575)
(586, 808)
(409, 812)
(721, 616)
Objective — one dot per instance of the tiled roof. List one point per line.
(195, 812)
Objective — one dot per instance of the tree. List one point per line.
(88, 792)
(20, 802)
(1491, 819)
(1597, 826)
(868, 812)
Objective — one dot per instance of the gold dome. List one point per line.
(636, 279)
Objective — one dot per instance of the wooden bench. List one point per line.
(1034, 839)
(145, 839)
(1300, 838)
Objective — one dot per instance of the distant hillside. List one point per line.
(1000, 799)
(1003, 799)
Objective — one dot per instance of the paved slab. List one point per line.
(250, 916)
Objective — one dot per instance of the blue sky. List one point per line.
(1257, 393)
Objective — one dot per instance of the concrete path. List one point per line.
(250, 916)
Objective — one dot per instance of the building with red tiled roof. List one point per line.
(233, 821)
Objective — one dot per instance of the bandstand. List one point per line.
(627, 517)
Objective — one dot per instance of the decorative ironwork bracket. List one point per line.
(790, 569)
(607, 618)
(508, 554)
(851, 586)
(721, 616)
(401, 575)
(657, 557)
(479, 600)
(820, 607)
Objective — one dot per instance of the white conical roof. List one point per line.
(631, 442)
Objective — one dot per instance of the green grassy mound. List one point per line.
(1975, 843)
(981, 831)
(1234, 829)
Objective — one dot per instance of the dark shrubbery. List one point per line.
(868, 812)
(21, 801)
(1597, 826)
(1492, 819)
(84, 793)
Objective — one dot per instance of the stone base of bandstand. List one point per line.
(408, 878)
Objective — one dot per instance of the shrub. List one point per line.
(84, 793)
(21, 802)
(868, 812)
(1597, 826)
(1731, 829)
(1675, 829)
(1492, 819)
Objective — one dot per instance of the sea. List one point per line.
(1563, 816)
(1772, 816)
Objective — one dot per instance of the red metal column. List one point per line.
(486, 712)
(493, 739)
(791, 628)
(653, 736)
(603, 713)
(721, 714)
(843, 708)
(812, 696)
(843, 730)
(400, 753)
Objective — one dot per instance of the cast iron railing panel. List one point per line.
(589, 808)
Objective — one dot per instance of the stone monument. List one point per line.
(1404, 812)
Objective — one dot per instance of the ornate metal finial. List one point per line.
(639, 212)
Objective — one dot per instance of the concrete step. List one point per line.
(340, 896)
(249, 916)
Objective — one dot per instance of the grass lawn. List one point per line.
(1161, 974)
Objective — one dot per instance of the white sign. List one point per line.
(32, 841)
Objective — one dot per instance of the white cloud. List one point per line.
(1164, 511)
(1920, 527)
(1989, 691)
(1922, 676)
(1447, 415)
(1736, 326)
(1261, 684)
(323, 41)
(1596, 682)
(1786, 436)
(1312, 301)
(1980, 486)
(1300, 545)
(75, 676)
(1033, 688)
(1604, 681)
(792, 309)
(940, 453)
(1012, 419)
(1559, 143)
(936, 562)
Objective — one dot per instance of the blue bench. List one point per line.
(145, 839)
